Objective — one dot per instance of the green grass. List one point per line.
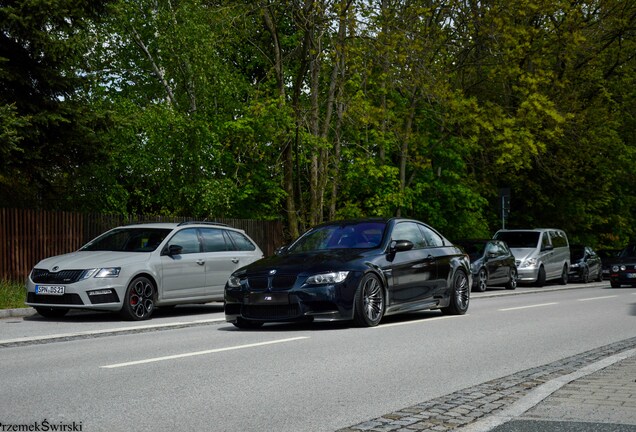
(12, 295)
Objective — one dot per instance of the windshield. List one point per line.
(519, 239)
(363, 235)
(128, 240)
(577, 252)
(629, 251)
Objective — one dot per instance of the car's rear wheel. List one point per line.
(139, 302)
(49, 312)
(459, 295)
(245, 324)
(512, 282)
(368, 302)
(482, 280)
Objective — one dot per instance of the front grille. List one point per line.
(257, 283)
(274, 283)
(283, 282)
(72, 299)
(274, 312)
(62, 277)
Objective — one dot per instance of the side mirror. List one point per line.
(172, 250)
(401, 245)
(547, 248)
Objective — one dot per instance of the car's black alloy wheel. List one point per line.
(368, 308)
(482, 280)
(512, 283)
(139, 301)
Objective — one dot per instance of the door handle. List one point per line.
(235, 260)
(200, 262)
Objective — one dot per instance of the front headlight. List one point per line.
(327, 278)
(106, 272)
(617, 267)
(531, 262)
(575, 266)
(234, 282)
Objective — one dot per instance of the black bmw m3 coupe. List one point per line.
(358, 270)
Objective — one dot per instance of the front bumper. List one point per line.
(527, 274)
(305, 303)
(92, 294)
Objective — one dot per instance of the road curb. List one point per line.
(19, 312)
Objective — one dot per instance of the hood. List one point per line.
(92, 259)
(310, 262)
(522, 254)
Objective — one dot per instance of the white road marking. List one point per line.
(198, 353)
(416, 321)
(598, 298)
(109, 331)
(528, 307)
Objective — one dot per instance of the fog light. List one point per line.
(100, 292)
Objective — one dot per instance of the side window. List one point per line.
(241, 241)
(409, 231)
(431, 237)
(213, 240)
(188, 240)
(558, 239)
(545, 240)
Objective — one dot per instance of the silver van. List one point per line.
(541, 254)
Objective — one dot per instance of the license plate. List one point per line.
(49, 289)
(268, 298)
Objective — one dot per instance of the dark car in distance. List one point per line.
(623, 271)
(491, 262)
(359, 270)
(585, 264)
(608, 257)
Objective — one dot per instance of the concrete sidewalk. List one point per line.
(601, 401)
(594, 391)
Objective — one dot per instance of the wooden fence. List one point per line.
(27, 236)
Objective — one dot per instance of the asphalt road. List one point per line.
(188, 369)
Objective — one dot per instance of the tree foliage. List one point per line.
(310, 110)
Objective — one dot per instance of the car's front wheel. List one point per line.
(512, 282)
(482, 280)
(368, 302)
(139, 301)
(564, 276)
(459, 295)
(586, 275)
(49, 312)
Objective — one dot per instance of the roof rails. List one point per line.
(203, 223)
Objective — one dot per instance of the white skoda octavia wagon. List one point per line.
(133, 269)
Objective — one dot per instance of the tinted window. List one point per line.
(519, 239)
(431, 237)
(363, 235)
(187, 239)
(409, 231)
(558, 239)
(128, 240)
(213, 240)
(241, 241)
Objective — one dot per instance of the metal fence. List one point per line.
(27, 236)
